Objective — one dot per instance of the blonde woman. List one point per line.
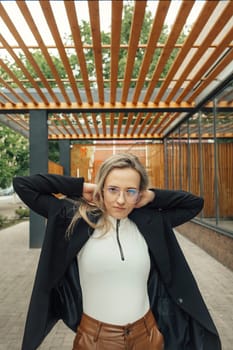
(110, 265)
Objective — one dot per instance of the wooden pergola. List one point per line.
(148, 107)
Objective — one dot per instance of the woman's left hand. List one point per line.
(146, 197)
(88, 191)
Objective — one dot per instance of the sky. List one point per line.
(82, 11)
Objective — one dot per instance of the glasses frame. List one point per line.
(115, 195)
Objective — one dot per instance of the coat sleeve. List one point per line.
(177, 206)
(37, 191)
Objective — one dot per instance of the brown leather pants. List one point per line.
(140, 335)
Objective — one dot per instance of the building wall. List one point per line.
(216, 244)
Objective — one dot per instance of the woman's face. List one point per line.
(121, 192)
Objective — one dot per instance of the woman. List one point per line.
(110, 265)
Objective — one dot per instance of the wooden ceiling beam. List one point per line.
(117, 7)
(78, 123)
(225, 62)
(119, 126)
(25, 71)
(49, 16)
(145, 122)
(20, 85)
(19, 121)
(165, 119)
(87, 123)
(139, 118)
(34, 29)
(67, 118)
(95, 123)
(181, 18)
(185, 49)
(112, 119)
(137, 22)
(163, 7)
(56, 126)
(103, 119)
(209, 38)
(78, 45)
(183, 106)
(152, 123)
(128, 123)
(5, 97)
(28, 54)
(96, 39)
(172, 118)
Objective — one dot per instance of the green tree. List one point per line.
(14, 155)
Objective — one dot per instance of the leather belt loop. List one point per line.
(98, 332)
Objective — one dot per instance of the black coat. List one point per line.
(174, 296)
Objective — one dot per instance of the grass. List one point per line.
(22, 214)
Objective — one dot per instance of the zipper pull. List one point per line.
(118, 240)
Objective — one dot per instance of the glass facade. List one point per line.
(199, 158)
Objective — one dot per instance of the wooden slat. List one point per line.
(214, 31)
(56, 126)
(48, 13)
(119, 126)
(78, 123)
(224, 63)
(103, 119)
(128, 123)
(136, 27)
(94, 118)
(166, 118)
(176, 115)
(7, 98)
(34, 29)
(146, 120)
(153, 121)
(19, 98)
(117, 7)
(73, 20)
(68, 134)
(96, 38)
(112, 115)
(211, 60)
(176, 30)
(16, 118)
(152, 44)
(17, 82)
(29, 56)
(187, 46)
(86, 121)
(70, 124)
(138, 120)
(31, 80)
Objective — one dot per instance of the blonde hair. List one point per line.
(89, 211)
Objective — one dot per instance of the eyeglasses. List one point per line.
(130, 195)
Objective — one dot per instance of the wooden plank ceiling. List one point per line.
(114, 108)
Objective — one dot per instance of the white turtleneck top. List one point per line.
(114, 274)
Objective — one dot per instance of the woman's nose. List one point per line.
(121, 197)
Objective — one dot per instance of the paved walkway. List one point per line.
(17, 268)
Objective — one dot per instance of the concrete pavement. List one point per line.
(17, 268)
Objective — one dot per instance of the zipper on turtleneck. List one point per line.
(118, 239)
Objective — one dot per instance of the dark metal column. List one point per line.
(64, 149)
(38, 164)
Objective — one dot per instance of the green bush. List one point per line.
(22, 212)
(3, 221)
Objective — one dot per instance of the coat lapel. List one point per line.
(147, 221)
